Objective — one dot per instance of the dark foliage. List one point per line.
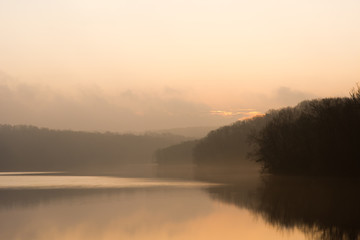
(181, 153)
(318, 137)
(229, 144)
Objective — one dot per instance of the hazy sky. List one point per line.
(149, 64)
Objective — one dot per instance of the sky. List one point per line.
(116, 65)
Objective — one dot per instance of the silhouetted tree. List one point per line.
(318, 137)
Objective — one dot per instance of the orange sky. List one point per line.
(227, 55)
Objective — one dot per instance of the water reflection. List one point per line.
(96, 213)
(159, 213)
(326, 209)
(49, 181)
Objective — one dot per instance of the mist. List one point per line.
(91, 108)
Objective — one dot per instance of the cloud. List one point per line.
(240, 114)
(251, 114)
(288, 96)
(93, 110)
(172, 91)
(90, 108)
(278, 98)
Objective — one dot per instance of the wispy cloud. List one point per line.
(252, 114)
(240, 114)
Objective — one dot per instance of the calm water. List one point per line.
(55, 206)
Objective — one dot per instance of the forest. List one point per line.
(29, 148)
(226, 145)
(317, 137)
(179, 154)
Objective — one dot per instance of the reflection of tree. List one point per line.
(325, 209)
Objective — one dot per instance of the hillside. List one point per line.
(25, 148)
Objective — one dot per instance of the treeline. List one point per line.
(228, 145)
(316, 137)
(181, 153)
(28, 148)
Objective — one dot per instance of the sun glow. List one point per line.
(242, 114)
(251, 115)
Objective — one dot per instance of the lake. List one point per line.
(63, 206)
